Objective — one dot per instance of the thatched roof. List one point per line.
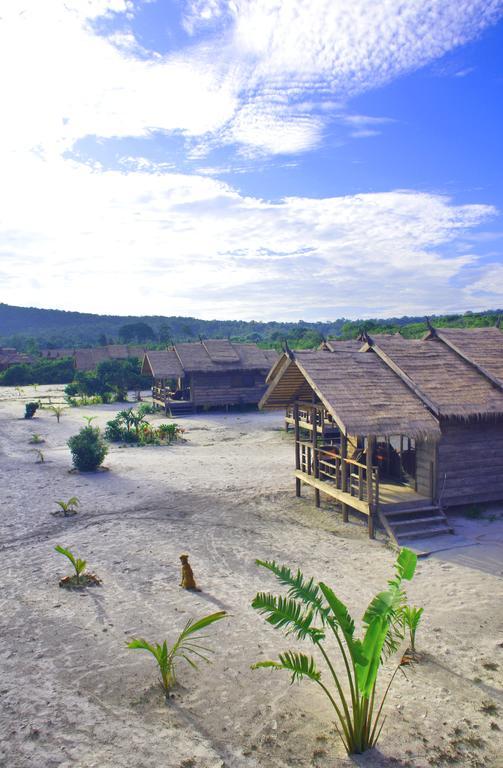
(208, 356)
(482, 346)
(450, 385)
(162, 364)
(57, 354)
(348, 345)
(363, 395)
(10, 356)
(394, 385)
(88, 359)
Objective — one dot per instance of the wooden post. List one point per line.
(344, 473)
(297, 446)
(370, 499)
(316, 467)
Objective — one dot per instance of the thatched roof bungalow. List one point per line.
(209, 373)
(420, 424)
(10, 356)
(88, 359)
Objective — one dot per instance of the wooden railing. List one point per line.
(347, 475)
(310, 414)
(164, 394)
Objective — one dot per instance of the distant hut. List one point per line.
(420, 425)
(57, 354)
(209, 373)
(88, 359)
(10, 356)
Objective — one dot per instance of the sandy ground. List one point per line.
(71, 694)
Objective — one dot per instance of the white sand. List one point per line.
(71, 694)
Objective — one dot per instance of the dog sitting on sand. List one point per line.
(188, 581)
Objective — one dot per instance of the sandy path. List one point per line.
(71, 694)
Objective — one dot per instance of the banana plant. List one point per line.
(77, 563)
(184, 648)
(69, 507)
(411, 616)
(311, 611)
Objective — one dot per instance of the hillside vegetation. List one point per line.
(29, 328)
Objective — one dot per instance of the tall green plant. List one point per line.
(184, 648)
(313, 612)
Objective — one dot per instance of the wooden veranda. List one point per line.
(356, 483)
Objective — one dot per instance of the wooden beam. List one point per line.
(331, 490)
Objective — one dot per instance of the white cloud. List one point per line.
(261, 75)
(264, 75)
(146, 242)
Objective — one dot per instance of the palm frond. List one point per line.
(283, 612)
(299, 587)
(298, 664)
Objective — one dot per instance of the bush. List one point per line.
(41, 372)
(88, 449)
(30, 409)
(130, 426)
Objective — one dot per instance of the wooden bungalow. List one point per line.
(88, 359)
(10, 356)
(209, 373)
(420, 422)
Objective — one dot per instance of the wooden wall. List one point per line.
(215, 389)
(470, 458)
(425, 455)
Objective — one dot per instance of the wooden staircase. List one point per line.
(180, 407)
(413, 520)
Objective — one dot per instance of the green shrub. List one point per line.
(41, 372)
(30, 410)
(88, 449)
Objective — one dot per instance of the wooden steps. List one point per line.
(180, 408)
(413, 521)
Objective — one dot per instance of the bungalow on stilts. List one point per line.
(209, 373)
(416, 425)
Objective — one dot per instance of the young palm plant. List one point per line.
(57, 411)
(312, 612)
(77, 563)
(68, 507)
(184, 647)
(411, 616)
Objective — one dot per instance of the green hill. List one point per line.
(27, 328)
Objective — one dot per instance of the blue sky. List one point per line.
(256, 160)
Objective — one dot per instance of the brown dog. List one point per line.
(188, 581)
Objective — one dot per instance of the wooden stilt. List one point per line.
(370, 490)
(344, 474)
(297, 446)
(316, 467)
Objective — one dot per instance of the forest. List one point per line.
(30, 329)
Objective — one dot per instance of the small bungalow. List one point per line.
(212, 372)
(10, 356)
(88, 359)
(420, 425)
(57, 354)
